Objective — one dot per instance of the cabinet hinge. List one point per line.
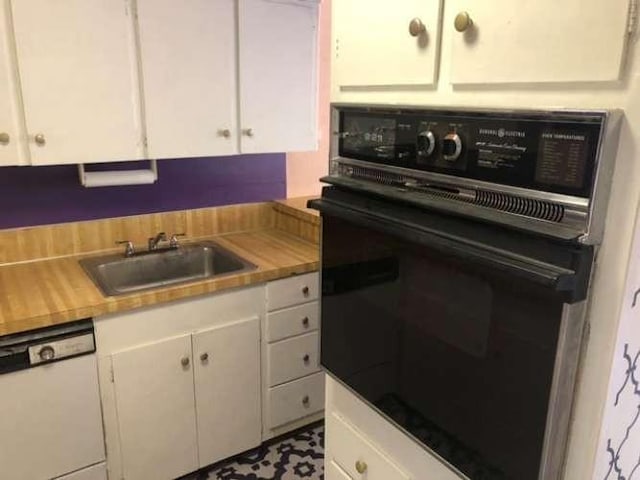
(111, 375)
(632, 22)
(145, 142)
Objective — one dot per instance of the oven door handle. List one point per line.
(548, 275)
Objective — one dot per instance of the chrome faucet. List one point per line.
(154, 241)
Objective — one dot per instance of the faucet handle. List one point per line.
(173, 241)
(129, 250)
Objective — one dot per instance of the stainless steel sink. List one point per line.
(117, 275)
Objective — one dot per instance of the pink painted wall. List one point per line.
(305, 168)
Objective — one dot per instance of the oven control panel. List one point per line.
(554, 152)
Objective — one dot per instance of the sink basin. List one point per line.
(117, 275)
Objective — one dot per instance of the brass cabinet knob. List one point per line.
(184, 361)
(204, 357)
(416, 27)
(306, 359)
(248, 132)
(361, 467)
(226, 133)
(463, 22)
(39, 139)
(305, 322)
(4, 138)
(305, 290)
(306, 400)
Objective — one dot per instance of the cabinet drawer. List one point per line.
(348, 447)
(293, 358)
(292, 291)
(296, 399)
(292, 321)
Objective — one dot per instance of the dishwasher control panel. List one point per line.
(62, 348)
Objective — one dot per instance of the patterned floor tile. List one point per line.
(299, 456)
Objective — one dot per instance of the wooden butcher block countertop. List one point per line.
(281, 241)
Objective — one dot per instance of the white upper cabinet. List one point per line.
(537, 41)
(11, 119)
(188, 58)
(278, 75)
(380, 44)
(79, 85)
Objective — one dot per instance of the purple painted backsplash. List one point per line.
(45, 195)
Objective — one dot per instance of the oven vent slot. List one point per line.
(521, 206)
(498, 201)
(383, 178)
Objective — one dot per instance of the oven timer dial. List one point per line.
(426, 143)
(451, 147)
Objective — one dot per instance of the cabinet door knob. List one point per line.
(39, 139)
(305, 322)
(184, 361)
(248, 132)
(4, 138)
(361, 467)
(463, 22)
(305, 290)
(226, 133)
(306, 400)
(416, 27)
(204, 357)
(306, 359)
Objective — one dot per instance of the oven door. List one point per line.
(452, 330)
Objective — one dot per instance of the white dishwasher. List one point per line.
(50, 416)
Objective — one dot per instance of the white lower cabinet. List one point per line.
(180, 384)
(355, 455)
(156, 409)
(94, 472)
(334, 472)
(227, 387)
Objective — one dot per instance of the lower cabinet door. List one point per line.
(156, 409)
(227, 386)
(94, 472)
(334, 472)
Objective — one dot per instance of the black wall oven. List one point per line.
(464, 332)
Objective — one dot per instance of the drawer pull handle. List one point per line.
(305, 322)
(306, 401)
(361, 467)
(204, 357)
(306, 359)
(305, 291)
(185, 361)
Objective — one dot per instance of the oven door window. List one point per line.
(459, 355)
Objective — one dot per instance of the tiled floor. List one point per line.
(299, 456)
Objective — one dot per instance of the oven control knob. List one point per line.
(46, 353)
(426, 143)
(451, 147)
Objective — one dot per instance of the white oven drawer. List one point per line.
(295, 400)
(292, 321)
(356, 455)
(293, 358)
(292, 291)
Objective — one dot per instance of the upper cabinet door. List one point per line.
(12, 151)
(278, 75)
(227, 386)
(79, 83)
(153, 386)
(188, 55)
(386, 44)
(508, 41)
